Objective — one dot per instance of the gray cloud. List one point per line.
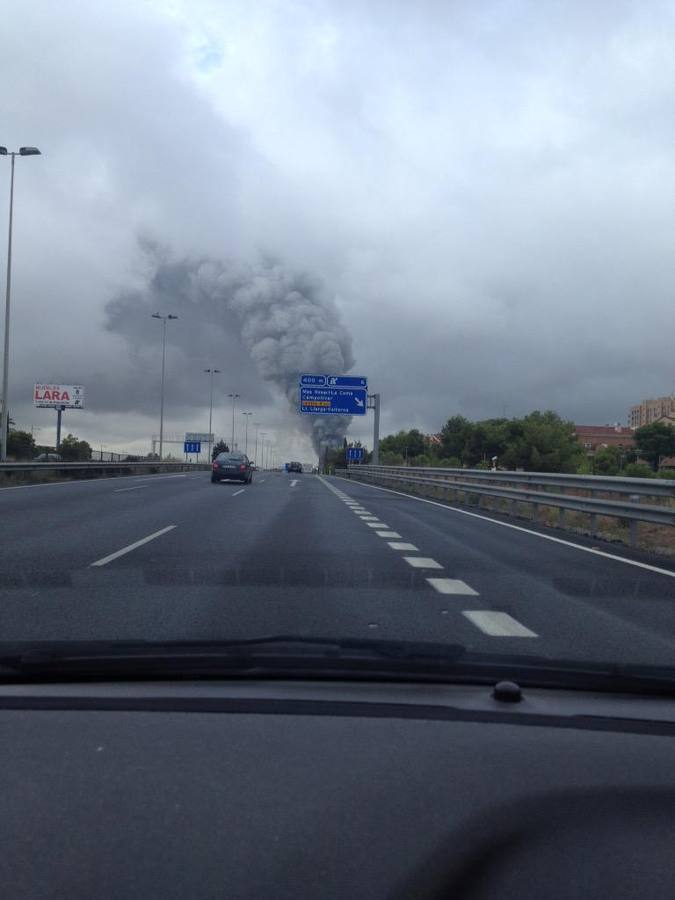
(487, 189)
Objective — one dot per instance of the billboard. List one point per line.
(51, 396)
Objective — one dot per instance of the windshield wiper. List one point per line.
(299, 656)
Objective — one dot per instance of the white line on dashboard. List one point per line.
(130, 547)
(452, 586)
(497, 624)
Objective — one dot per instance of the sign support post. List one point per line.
(59, 411)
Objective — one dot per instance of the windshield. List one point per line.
(341, 321)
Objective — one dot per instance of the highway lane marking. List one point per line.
(545, 537)
(261, 481)
(452, 586)
(139, 487)
(388, 534)
(72, 481)
(376, 525)
(368, 518)
(151, 537)
(294, 482)
(422, 562)
(403, 546)
(497, 624)
(238, 492)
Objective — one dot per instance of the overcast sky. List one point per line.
(485, 191)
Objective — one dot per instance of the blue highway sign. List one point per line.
(356, 381)
(355, 454)
(320, 401)
(341, 381)
(192, 447)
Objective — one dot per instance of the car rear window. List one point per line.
(230, 457)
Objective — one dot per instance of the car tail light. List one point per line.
(215, 466)
(242, 468)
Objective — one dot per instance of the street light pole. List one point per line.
(234, 400)
(164, 319)
(246, 414)
(257, 426)
(263, 435)
(211, 372)
(4, 420)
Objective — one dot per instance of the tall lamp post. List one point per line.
(257, 426)
(234, 400)
(263, 435)
(246, 414)
(4, 421)
(211, 373)
(165, 319)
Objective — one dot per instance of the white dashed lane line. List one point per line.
(138, 487)
(490, 622)
(238, 492)
(422, 562)
(497, 624)
(151, 537)
(452, 586)
(294, 482)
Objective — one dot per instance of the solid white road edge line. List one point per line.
(130, 547)
(139, 487)
(545, 537)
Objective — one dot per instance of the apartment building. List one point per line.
(652, 410)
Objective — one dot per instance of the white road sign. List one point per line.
(51, 396)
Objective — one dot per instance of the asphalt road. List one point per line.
(168, 557)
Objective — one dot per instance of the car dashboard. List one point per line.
(301, 789)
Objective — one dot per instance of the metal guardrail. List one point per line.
(460, 485)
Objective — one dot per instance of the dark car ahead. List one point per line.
(235, 466)
(295, 467)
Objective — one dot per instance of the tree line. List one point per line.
(537, 442)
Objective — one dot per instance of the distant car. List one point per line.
(233, 466)
(48, 457)
(295, 467)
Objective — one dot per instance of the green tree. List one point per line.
(409, 444)
(454, 436)
(74, 450)
(21, 445)
(654, 441)
(220, 447)
(607, 461)
(638, 470)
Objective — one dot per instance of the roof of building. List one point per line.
(604, 430)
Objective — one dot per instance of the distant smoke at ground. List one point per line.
(286, 321)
